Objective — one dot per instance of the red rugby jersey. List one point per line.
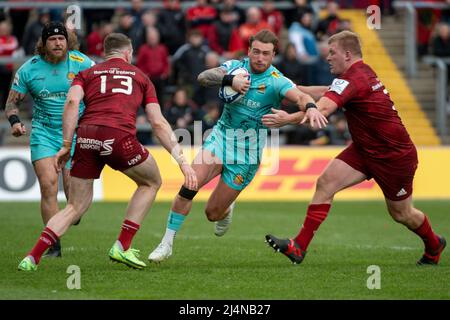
(373, 121)
(113, 92)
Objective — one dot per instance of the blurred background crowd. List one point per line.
(173, 44)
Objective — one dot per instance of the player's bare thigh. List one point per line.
(337, 176)
(220, 200)
(47, 176)
(206, 166)
(146, 173)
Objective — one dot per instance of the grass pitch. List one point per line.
(239, 265)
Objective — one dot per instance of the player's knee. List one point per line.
(48, 186)
(153, 182)
(78, 209)
(400, 216)
(186, 193)
(324, 182)
(214, 213)
(156, 183)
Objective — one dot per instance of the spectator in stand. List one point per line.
(201, 17)
(153, 60)
(96, 37)
(92, 16)
(171, 25)
(220, 35)
(128, 27)
(137, 11)
(189, 60)
(440, 45)
(149, 19)
(344, 25)
(445, 13)
(386, 7)
(329, 25)
(143, 135)
(205, 94)
(290, 66)
(19, 18)
(180, 111)
(8, 44)
(238, 13)
(209, 114)
(320, 74)
(336, 133)
(272, 16)
(34, 30)
(252, 26)
(294, 14)
(302, 37)
(427, 18)
(299, 135)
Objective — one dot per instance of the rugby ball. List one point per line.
(226, 93)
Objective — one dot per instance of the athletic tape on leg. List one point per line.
(187, 193)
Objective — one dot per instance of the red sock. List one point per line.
(315, 215)
(129, 229)
(45, 241)
(429, 238)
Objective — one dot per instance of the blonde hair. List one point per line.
(348, 41)
(115, 42)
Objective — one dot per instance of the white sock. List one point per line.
(169, 236)
(231, 209)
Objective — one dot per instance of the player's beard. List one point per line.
(52, 58)
(259, 68)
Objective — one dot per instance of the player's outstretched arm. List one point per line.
(168, 140)
(325, 106)
(314, 91)
(70, 120)
(13, 102)
(279, 118)
(306, 103)
(71, 109)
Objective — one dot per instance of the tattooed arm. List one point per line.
(214, 77)
(15, 98)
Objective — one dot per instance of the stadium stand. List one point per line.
(414, 78)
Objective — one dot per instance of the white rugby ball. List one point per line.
(226, 93)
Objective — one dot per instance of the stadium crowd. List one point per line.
(173, 45)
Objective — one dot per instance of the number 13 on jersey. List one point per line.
(127, 84)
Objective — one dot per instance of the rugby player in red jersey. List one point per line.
(112, 92)
(382, 149)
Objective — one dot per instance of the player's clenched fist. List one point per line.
(18, 129)
(190, 177)
(241, 83)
